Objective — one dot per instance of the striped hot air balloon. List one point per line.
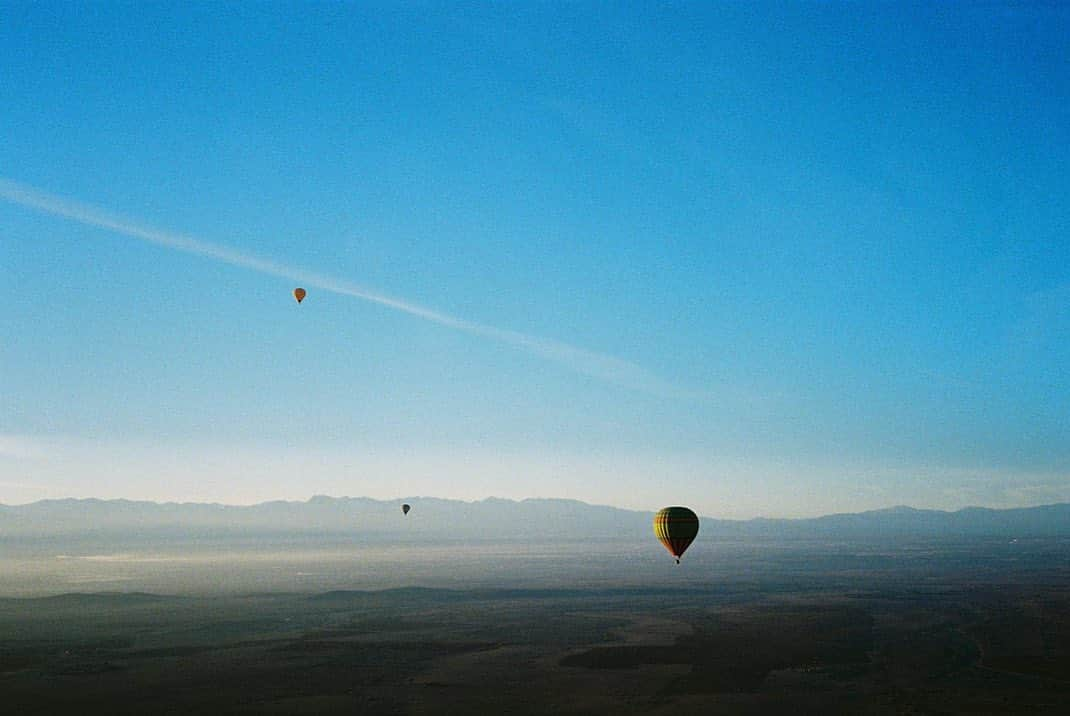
(676, 527)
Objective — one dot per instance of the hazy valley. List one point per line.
(578, 610)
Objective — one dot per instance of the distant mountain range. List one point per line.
(492, 519)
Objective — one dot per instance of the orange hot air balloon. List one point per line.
(676, 527)
(299, 294)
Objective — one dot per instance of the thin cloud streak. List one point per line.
(595, 365)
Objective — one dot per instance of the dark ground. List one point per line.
(986, 631)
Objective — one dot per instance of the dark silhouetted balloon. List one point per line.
(676, 527)
(299, 294)
(405, 509)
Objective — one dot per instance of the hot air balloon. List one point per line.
(299, 294)
(405, 509)
(675, 527)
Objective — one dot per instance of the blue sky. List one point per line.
(761, 259)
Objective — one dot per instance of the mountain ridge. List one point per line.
(495, 517)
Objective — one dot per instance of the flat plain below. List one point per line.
(974, 626)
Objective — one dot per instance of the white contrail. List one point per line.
(589, 363)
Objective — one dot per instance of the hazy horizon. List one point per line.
(398, 500)
(355, 543)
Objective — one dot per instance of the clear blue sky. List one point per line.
(761, 259)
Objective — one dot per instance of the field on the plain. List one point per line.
(967, 627)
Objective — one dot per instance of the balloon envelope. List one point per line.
(405, 509)
(299, 294)
(676, 527)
